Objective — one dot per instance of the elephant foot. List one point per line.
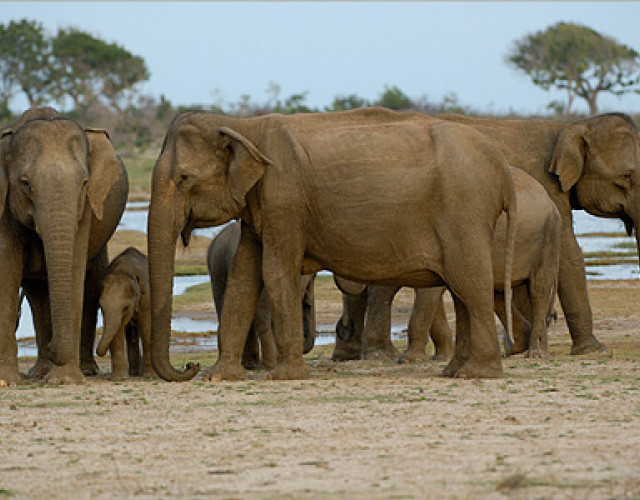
(444, 355)
(475, 368)
(117, 375)
(413, 356)
(535, 353)
(66, 374)
(387, 353)
(9, 377)
(40, 369)
(267, 365)
(344, 352)
(290, 371)
(148, 372)
(89, 367)
(589, 346)
(220, 372)
(452, 367)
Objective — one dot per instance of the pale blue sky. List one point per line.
(199, 52)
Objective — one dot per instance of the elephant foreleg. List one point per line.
(349, 327)
(37, 293)
(261, 334)
(425, 308)
(95, 272)
(376, 338)
(574, 298)
(9, 298)
(244, 284)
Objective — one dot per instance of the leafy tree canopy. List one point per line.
(394, 98)
(577, 59)
(25, 61)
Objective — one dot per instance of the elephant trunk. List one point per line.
(64, 284)
(163, 230)
(112, 327)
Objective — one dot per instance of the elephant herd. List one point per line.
(383, 199)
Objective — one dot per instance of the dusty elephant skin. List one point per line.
(126, 308)
(535, 270)
(591, 165)
(260, 347)
(63, 191)
(371, 195)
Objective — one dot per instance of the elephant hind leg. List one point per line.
(476, 353)
(521, 325)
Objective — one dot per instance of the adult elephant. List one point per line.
(592, 165)
(62, 192)
(371, 195)
(260, 347)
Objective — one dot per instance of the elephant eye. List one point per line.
(182, 179)
(26, 185)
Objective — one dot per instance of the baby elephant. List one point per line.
(260, 339)
(124, 300)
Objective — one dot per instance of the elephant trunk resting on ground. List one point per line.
(260, 347)
(372, 195)
(62, 193)
(126, 309)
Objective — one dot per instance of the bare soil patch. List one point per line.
(563, 427)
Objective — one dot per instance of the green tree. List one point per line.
(119, 74)
(343, 103)
(77, 56)
(25, 62)
(89, 67)
(394, 98)
(577, 59)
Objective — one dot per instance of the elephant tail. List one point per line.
(511, 207)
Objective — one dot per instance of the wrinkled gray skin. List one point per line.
(126, 309)
(371, 195)
(260, 348)
(592, 165)
(63, 190)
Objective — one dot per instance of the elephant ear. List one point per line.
(104, 169)
(5, 138)
(247, 166)
(569, 155)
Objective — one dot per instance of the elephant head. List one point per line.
(202, 178)
(119, 301)
(598, 161)
(52, 176)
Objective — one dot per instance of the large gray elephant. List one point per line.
(260, 348)
(126, 309)
(534, 276)
(535, 270)
(591, 164)
(63, 190)
(371, 195)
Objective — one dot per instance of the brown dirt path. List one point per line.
(565, 427)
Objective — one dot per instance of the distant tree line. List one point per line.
(101, 80)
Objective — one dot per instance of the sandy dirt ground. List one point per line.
(564, 427)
